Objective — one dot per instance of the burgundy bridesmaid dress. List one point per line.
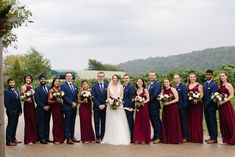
(87, 132)
(58, 122)
(30, 118)
(142, 129)
(195, 119)
(171, 128)
(227, 119)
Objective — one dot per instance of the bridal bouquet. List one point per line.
(27, 95)
(58, 95)
(164, 98)
(219, 97)
(114, 104)
(194, 96)
(85, 95)
(139, 101)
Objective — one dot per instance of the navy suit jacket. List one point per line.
(154, 91)
(12, 101)
(99, 97)
(128, 94)
(183, 95)
(209, 89)
(41, 97)
(70, 96)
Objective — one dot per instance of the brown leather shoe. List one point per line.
(16, 141)
(69, 141)
(43, 142)
(212, 142)
(157, 141)
(11, 144)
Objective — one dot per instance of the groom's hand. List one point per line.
(74, 105)
(102, 107)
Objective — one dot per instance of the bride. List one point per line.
(116, 126)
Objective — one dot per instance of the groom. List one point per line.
(99, 93)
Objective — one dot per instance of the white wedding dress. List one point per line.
(116, 127)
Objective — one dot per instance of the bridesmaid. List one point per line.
(142, 130)
(195, 111)
(57, 113)
(171, 127)
(226, 111)
(87, 133)
(30, 130)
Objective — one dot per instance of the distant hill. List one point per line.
(199, 60)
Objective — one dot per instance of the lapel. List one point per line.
(68, 88)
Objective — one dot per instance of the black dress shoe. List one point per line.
(43, 142)
(75, 140)
(49, 141)
(15, 141)
(98, 141)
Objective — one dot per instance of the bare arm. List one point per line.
(147, 95)
(176, 95)
(121, 95)
(200, 89)
(108, 92)
(50, 98)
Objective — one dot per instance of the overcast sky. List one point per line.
(69, 32)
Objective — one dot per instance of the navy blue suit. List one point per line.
(100, 96)
(41, 98)
(183, 104)
(71, 95)
(210, 108)
(13, 109)
(154, 109)
(128, 94)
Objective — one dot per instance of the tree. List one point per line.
(12, 15)
(34, 63)
(97, 65)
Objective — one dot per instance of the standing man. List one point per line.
(99, 93)
(14, 110)
(128, 95)
(70, 108)
(43, 110)
(154, 107)
(182, 104)
(210, 107)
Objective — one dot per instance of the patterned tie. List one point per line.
(71, 87)
(45, 89)
(101, 87)
(17, 95)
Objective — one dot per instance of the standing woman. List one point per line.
(56, 110)
(31, 130)
(195, 111)
(142, 130)
(171, 127)
(84, 99)
(226, 110)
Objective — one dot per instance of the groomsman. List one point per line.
(99, 93)
(70, 108)
(182, 105)
(210, 107)
(154, 107)
(13, 110)
(43, 110)
(128, 94)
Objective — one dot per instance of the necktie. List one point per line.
(71, 86)
(101, 86)
(45, 89)
(15, 92)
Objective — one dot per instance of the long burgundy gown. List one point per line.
(227, 119)
(58, 121)
(30, 118)
(142, 129)
(171, 127)
(195, 119)
(87, 132)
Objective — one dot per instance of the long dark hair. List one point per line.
(165, 78)
(28, 75)
(144, 84)
(84, 81)
(53, 82)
